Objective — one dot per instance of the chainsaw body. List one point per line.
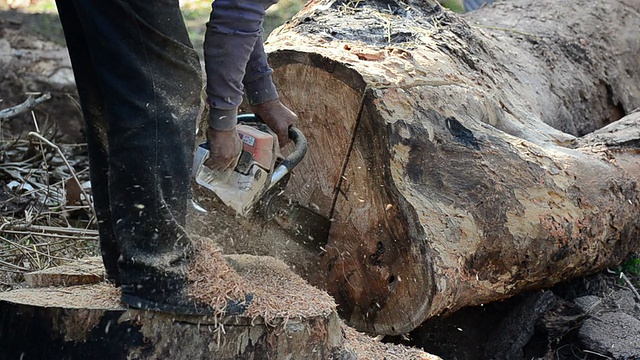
(259, 167)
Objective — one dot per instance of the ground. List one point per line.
(592, 317)
(559, 323)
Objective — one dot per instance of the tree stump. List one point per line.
(87, 322)
(448, 151)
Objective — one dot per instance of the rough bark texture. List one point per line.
(37, 331)
(448, 150)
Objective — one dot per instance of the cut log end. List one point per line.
(78, 272)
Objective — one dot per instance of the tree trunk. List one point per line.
(448, 150)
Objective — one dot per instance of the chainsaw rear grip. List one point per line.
(299, 152)
(294, 158)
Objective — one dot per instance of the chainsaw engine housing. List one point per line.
(242, 187)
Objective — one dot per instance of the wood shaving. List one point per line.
(368, 348)
(278, 294)
(212, 280)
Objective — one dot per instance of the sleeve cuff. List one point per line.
(261, 90)
(223, 120)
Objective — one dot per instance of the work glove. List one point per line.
(278, 117)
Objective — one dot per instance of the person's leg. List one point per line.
(150, 81)
(92, 101)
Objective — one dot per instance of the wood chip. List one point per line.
(278, 293)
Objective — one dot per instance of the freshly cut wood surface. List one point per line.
(77, 272)
(448, 151)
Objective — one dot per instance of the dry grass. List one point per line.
(41, 222)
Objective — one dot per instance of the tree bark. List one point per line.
(449, 153)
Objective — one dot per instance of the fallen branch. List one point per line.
(51, 231)
(31, 102)
(13, 266)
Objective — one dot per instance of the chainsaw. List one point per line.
(256, 184)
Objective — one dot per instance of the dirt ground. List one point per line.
(551, 323)
(544, 324)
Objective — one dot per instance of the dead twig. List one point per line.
(39, 234)
(630, 285)
(60, 233)
(71, 170)
(45, 230)
(597, 354)
(33, 250)
(26, 105)
(13, 266)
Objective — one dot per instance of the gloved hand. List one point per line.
(224, 149)
(278, 117)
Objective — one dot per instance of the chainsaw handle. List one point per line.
(294, 158)
(300, 150)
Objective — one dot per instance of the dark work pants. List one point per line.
(139, 83)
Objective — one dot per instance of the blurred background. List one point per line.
(43, 20)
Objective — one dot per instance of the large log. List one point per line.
(449, 155)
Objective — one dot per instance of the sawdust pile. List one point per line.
(212, 280)
(278, 293)
(368, 348)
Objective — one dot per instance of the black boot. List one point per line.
(176, 300)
